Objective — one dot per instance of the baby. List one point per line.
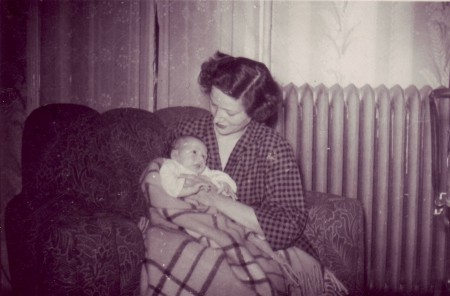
(188, 158)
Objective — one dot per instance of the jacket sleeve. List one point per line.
(282, 213)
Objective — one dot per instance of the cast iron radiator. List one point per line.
(374, 144)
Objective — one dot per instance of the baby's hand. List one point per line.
(193, 184)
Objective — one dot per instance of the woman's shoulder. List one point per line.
(270, 142)
(268, 135)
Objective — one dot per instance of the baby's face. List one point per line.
(192, 154)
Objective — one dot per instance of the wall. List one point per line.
(314, 42)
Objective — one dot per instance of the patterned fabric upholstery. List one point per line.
(90, 254)
(72, 230)
(50, 134)
(336, 230)
(126, 141)
(31, 211)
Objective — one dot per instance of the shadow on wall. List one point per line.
(13, 20)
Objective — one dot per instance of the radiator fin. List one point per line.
(374, 144)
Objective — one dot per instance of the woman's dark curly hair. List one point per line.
(243, 78)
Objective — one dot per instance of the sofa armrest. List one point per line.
(336, 229)
(96, 255)
(60, 250)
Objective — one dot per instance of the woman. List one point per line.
(243, 95)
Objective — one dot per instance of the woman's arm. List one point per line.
(282, 212)
(235, 210)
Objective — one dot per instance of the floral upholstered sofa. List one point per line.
(73, 228)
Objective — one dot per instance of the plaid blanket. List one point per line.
(195, 250)
(198, 251)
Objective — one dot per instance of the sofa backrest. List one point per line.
(127, 139)
(51, 132)
(171, 116)
(72, 153)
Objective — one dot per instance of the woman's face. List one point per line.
(229, 114)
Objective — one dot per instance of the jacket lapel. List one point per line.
(247, 140)
(209, 137)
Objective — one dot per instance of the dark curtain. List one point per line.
(96, 53)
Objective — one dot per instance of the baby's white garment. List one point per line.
(172, 183)
(218, 178)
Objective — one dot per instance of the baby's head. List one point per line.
(190, 152)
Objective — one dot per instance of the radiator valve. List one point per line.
(442, 206)
(441, 203)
